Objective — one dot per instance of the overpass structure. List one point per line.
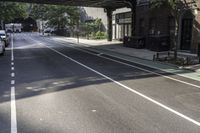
(108, 5)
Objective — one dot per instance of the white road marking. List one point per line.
(13, 103)
(130, 89)
(139, 67)
(94, 110)
(12, 53)
(13, 112)
(12, 68)
(12, 75)
(99, 54)
(12, 82)
(187, 83)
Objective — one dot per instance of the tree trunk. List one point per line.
(175, 41)
(176, 36)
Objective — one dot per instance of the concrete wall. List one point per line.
(162, 17)
(121, 10)
(89, 13)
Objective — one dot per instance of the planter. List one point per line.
(134, 42)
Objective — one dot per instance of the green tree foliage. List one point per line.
(175, 8)
(58, 16)
(39, 11)
(93, 29)
(11, 10)
(158, 3)
(172, 4)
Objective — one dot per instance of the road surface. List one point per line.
(53, 87)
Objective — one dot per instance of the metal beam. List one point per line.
(86, 3)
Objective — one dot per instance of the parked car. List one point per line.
(2, 47)
(5, 37)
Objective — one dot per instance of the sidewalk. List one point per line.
(140, 56)
(115, 46)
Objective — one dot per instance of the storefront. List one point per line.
(121, 25)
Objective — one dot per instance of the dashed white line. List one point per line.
(13, 112)
(12, 75)
(13, 103)
(149, 71)
(12, 82)
(130, 89)
(12, 53)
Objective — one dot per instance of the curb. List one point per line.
(163, 63)
(111, 51)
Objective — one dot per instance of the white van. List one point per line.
(13, 27)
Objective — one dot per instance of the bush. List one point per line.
(98, 35)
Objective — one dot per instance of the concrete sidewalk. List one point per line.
(115, 46)
(140, 56)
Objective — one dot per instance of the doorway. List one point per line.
(186, 31)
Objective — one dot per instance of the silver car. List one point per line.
(5, 37)
(2, 47)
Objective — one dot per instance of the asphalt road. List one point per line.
(59, 88)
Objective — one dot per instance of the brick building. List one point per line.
(160, 22)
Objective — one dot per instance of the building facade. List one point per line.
(121, 21)
(91, 13)
(160, 21)
(157, 22)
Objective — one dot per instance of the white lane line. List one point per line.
(12, 53)
(13, 102)
(13, 112)
(174, 79)
(130, 89)
(185, 76)
(12, 75)
(12, 82)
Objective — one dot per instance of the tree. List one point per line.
(57, 16)
(11, 10)
(39, 11)
(175, 8)
(92, 29)
(99, 24)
